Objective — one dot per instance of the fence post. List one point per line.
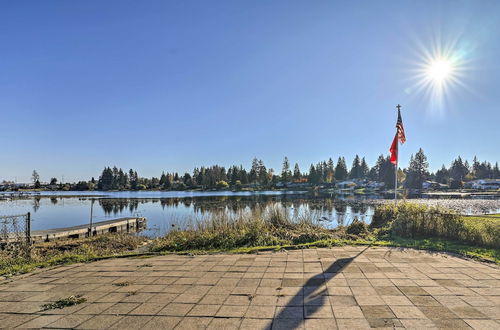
(28, 228)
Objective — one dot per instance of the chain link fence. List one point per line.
(15, 234)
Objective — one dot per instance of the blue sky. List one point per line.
(169, 85)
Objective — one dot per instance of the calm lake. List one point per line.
(167, 210)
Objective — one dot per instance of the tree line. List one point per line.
(325, 172)
(322, 173)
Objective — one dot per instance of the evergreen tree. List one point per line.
(324, 171)
(356, 168)
(364, 170)
(458, 169)
(262, 174)
(286, 174)
(163, 178)
(476, 167)
(252, 177)
(313, 175)
(496, 171)
(105, 181)
(341, 170)
(374, 173)
(417, 171)
(296, 172)
(243, 175)
(330, 171)
(386, 172)
(319, 172)
(134, 179)
(122, 180)
(442, 175)
(154, 183)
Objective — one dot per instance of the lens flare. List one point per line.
(438, 72)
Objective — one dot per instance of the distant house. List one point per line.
(485, 184)
(346, 185)
(298, 185)
(375, 185)
(433, 185)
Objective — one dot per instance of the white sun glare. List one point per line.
(437, 74)
(439, 70)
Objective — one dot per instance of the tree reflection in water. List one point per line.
(328, 211)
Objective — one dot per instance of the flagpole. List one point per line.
(397, 162)
(399, 137)
(396, 178)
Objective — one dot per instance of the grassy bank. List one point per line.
(406, 225)
(410, 220)
(269, 227)
(69, 251)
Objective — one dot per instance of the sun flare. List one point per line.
(438, 73)
(439, 70)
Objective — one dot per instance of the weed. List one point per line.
(357, 227)
(145, 265)
(66, 302)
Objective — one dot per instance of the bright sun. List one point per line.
(439, 70)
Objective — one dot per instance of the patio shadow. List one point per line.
(293, 314)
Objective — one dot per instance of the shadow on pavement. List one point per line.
(314, 296)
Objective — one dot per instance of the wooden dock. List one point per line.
(121, 225)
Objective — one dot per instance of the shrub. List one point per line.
(357, 227)
(270, 226)
(416, 220)
(222, 184)
(383, 215)
(238, 185)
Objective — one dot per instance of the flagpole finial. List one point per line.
(398, 107)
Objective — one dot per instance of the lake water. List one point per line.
(166, 210)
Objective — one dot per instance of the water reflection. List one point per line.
(328, 211)
(163, 213)
(36, 204)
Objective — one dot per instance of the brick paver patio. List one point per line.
(338, 288)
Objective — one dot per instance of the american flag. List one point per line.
(400, 128)
(399, 137)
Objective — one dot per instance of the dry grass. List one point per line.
(411, 220)
(271, 226)
(69, 251)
